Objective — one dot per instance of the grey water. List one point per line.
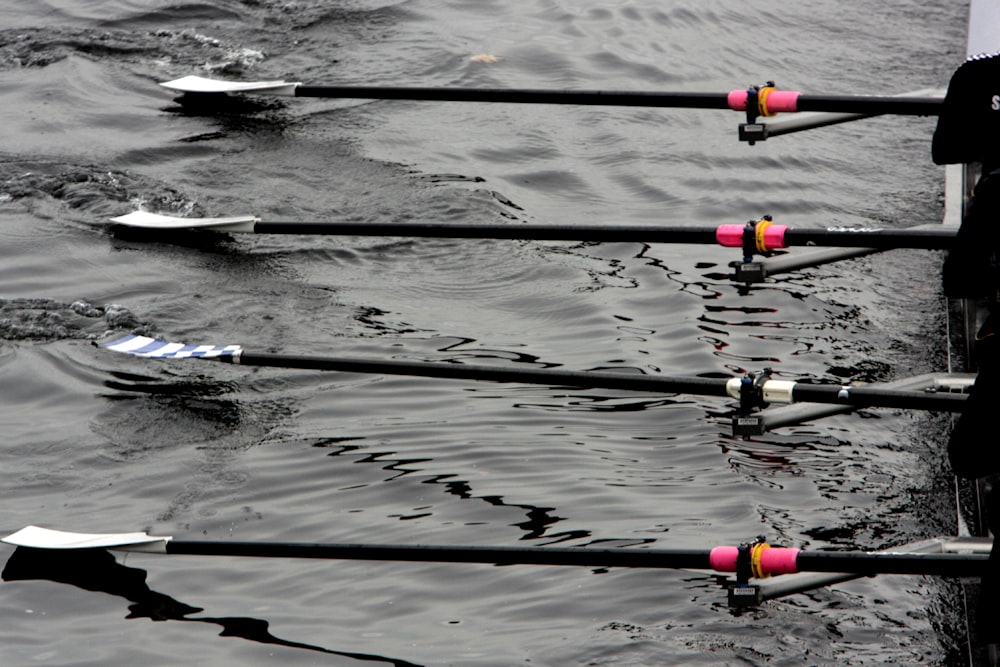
(95, 441)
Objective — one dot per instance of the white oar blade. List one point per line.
(144, 346)
(145, 220)
(198, 84)
(46, 538)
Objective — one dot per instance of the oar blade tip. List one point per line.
(200, 85)
(147, 220)
(144, 346)
(37, 537)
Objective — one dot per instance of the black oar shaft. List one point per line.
(858, 562)
(878, 397)
(930, 239)
(944, 564)
(870, 105)
(859, 396)
(873, 105)
(606, 232)
(589, 380)
(578, 556)
(522, 96)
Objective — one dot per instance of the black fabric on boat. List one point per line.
(968, 127)
(974, 453)
(987, 609)
(971, 269)
(972, 449)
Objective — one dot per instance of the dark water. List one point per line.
(95, 441)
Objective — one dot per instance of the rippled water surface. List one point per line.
(95, 441)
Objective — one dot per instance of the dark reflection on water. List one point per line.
(97, 570)
(536, 526)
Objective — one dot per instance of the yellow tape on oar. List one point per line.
(756, 554)
(760, 230)
(762, 95)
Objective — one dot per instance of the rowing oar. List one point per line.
(769, 100)
(763, 235)
(763, 560)
(769, 391)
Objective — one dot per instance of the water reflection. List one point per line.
(97, 570)
(536, 526)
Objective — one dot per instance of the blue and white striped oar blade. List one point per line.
(146, 220)
(144, 346)
(45, 538)
(198, 84)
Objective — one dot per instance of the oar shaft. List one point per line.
(872, 105)
(605, 232)
(957, 565)
(878, 397)
(549, 377)
(522, 96)
(578, 556)
(930, 239)
(854, 396)
(883, 239)
(858, 562)
(869, 105)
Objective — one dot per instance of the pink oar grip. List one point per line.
(737, 100)
(731, 236)
(779, 560)
(781, 100)
(774, 560)
(774, 237)
(723, 559)
(776, 101)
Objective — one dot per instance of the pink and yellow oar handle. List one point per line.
(765, 560)
(768, 235)
(770, 100)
